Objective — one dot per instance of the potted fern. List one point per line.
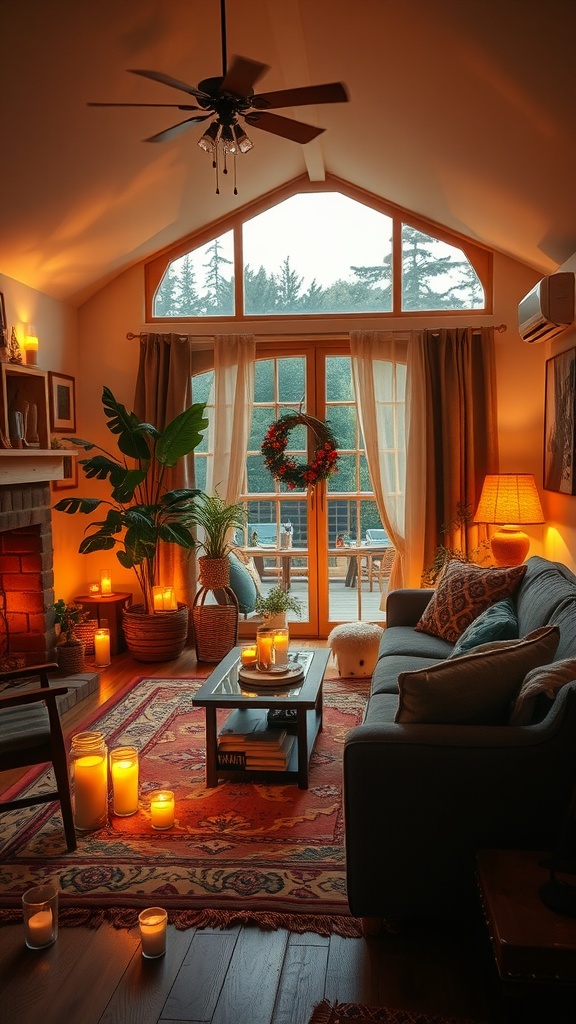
(141, 513)
(70, 649)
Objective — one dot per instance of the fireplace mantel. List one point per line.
(32, 465)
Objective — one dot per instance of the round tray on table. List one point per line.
(282, 677)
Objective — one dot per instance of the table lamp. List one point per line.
(509, 500)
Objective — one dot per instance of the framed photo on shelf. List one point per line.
(560, 423)
(70, 479)
(62, 402)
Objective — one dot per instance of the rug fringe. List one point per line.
(127, 917)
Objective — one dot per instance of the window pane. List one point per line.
(436, 275)
(318, 253)
(200, 283)
(339, 379)
(264, 380)
(291, 380)
(343, 420)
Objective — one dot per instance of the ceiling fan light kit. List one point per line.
(231, 96)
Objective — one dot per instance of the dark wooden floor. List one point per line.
(243, 975)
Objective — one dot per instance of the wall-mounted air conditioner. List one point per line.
(549, 308)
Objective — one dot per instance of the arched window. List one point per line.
(319, 250)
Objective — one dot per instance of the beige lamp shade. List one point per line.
(509, 500)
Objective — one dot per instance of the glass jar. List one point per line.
(89, 781)
(265, 649)
(124, 775)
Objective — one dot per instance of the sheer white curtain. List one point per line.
(229, 433)
(379, 377)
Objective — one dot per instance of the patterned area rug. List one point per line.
(269, 854)
(339, 1013)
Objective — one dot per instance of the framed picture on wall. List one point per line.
(62, 402)
(70, 479)
(560, 423)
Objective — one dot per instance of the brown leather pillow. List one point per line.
(464, 591)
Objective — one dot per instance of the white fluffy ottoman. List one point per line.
(355, 647)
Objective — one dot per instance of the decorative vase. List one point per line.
(70, 657)
(157, 636)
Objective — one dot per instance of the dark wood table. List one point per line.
(533, 946)
(107, 608)
(224, 690)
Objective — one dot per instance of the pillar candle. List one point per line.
(90, 791)
(40, 928)
(162, 809)
(124, 771)
(158, 599)
(152, 924)
(102, 647)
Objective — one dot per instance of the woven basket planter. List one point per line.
(215, 625)
(85, 632)
(214, 572)
(70, 658)
(158, 636)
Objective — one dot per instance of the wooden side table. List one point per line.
(534, 947)
(109, 609)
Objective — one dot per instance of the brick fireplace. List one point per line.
(26, 572)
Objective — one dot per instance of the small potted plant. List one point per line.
(69, 648)
(274, 606)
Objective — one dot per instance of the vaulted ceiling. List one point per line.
(462, 112)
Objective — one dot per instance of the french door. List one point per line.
(316, 543)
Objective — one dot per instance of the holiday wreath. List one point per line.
(285, 469)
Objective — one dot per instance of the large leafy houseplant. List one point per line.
(141, 511)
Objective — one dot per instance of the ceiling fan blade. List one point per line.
(159, 76)
(173, 106)
(242, 76)
(176, 129)
(332, 92)
(296, 131)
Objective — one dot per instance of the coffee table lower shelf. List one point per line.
(295, 772)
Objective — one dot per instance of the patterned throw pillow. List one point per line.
(478, 688)
(463, 592)
(498, 622)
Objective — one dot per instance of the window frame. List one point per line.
(480, 257)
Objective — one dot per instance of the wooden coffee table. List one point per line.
(223, 690)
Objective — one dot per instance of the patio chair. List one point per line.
(31, 733)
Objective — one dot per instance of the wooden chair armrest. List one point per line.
(41, 670)
(8, 700)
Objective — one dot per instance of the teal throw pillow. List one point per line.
(242, 584)
(498, 622)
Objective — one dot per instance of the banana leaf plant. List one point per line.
(141, 512)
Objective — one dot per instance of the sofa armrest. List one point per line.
(420, 800)
(404, 607)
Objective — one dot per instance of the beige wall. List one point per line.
(104, 356)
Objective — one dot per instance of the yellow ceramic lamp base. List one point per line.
(509, 545)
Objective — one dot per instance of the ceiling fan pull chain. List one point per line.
(235, 189)
(216, 168)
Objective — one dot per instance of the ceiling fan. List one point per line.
(231, 96)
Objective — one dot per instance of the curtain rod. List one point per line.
(501, 328)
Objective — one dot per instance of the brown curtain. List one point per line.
(452, 437)
(163, 390)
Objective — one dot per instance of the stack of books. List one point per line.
(259, 749)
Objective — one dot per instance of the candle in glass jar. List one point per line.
(248, 655)
(105, 583)
(265, 649)
(90, 791)
(162, 809)
(169, 599)
(102, 647)
(152, 924)
(158, 599)
(281, 647)
(124, 771)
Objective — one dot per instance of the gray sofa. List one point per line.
(420, 800)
